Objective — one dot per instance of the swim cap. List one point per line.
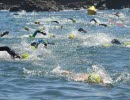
(31, 36)
(94, 78)
(74, 21)
(26, 28)
(25, 56)
(71, 36)
(126, 43)
(106, 45)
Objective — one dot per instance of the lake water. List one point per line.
(33, 79)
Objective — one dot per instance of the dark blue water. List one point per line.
(32, 79)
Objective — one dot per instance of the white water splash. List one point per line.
(96, 39)
(4, 55)
(123, 78)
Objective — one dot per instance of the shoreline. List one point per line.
(59, 5)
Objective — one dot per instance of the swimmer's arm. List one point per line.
(76, 77)
(51, 43)
(43, 33)
(66, 72)
(81, 77)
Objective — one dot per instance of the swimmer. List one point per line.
(12, 53)
(82, 30)
(4, 33)
(72, 20)
(96, 22)
(115, 41)
(15, 14)
(37, 42)
(37, 31)
(97, 77)
(37, 22)
(26, 28)
(105, 25)
(55, 22)
(117, 14)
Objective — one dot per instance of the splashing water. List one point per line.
(39, 78)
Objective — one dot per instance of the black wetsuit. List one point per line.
(115, 41)
(4, 33)
(37, 31)
(82, 30)
(11, 52)
(55, 22)
(37, 42)
(105, 25)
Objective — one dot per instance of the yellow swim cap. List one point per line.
(25, 56)
(126, 43)
(26, 28)
(106, 45)
(92, 10)
(71, 36)
(31, 36)
(94, 78)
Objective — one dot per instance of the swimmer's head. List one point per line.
(71, 36)
(94, 78)
(26, 28)
(31, 36)
(34, 44)
(37, 22)
(17, 56)
(25, 56)
(115, 41)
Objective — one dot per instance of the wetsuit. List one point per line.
(72, 20)
(115, 41)
(37, 42)
(37, 31)
(55, 22)
(11, 52)
(105, 25)
(4, 33)
(82, 30)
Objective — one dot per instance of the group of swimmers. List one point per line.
(90, 78)
(33, 44)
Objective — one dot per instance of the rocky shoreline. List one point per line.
(57, 5)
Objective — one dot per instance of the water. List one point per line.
(33, 78)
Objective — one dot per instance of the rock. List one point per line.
(1, 6)
(15, 8)
(113, 4)
(56, 5)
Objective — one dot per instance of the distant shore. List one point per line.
(57, 5)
